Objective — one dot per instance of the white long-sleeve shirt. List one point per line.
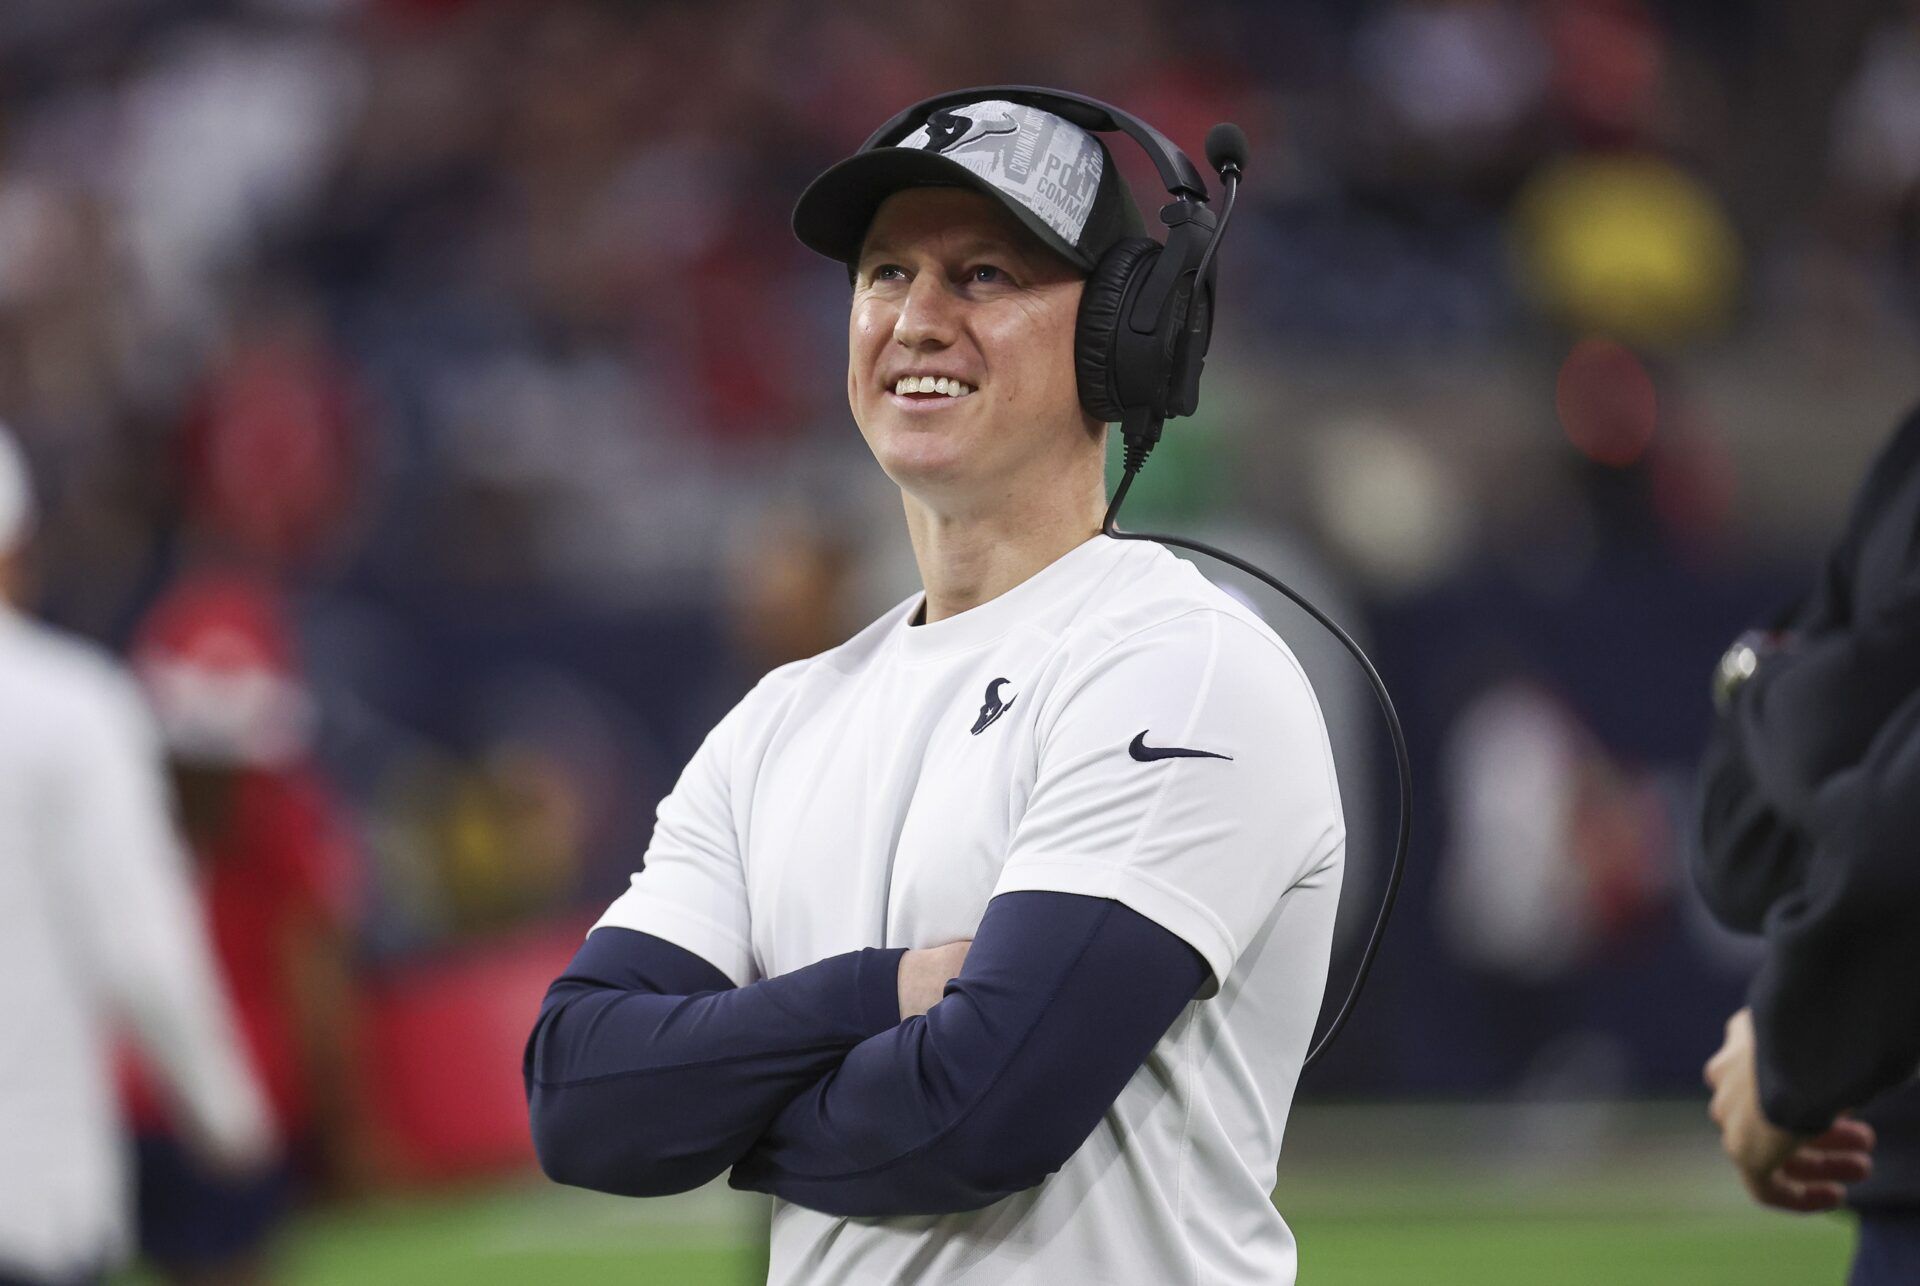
(98, 924)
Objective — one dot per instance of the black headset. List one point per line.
(1146, 316)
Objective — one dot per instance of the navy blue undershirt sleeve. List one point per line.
(1061, 1000)
(648, 1072)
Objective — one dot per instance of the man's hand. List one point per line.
(924, 974)
(1781, 1170)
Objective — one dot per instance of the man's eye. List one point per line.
(985, 272)
(889, 272)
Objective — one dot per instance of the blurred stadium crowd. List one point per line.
(442, 377)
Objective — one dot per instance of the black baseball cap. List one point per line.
(1057, 179)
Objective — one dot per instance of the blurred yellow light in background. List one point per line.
(1628, 246)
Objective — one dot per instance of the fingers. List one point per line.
(1845, 1135)
(1809, 1178)
(1813, 1165)
(1781, 1193)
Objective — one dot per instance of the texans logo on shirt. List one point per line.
(993, 707)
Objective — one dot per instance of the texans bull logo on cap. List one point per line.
(1047, 164)
(948, 130)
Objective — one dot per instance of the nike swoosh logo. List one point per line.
(1146, 754)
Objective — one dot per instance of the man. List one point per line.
(97, 923)
(277, 876)
(1810, 812)
(989, 942)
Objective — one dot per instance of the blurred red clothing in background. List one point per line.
(280, 873)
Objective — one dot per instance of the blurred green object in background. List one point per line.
(1575, 1194)
(1579, 1195)
(525, 1230)
(1184, 479)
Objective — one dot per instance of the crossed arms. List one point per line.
(1120, 897)
(649, 1072)
(1809, 807)
(1810, 802)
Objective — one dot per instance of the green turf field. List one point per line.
(1380, 1196)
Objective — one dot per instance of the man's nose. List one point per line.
(929, 315)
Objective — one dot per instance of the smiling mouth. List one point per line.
(931, 388)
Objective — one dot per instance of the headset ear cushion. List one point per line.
(1097, 332)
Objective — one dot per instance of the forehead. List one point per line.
(949, 221)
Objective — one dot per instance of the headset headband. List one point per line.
(1177, 173)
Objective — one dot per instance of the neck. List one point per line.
(967, 559)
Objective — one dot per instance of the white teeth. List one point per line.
(931, 384)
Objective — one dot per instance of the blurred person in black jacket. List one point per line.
(1810, 829)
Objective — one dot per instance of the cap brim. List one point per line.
(834, 213)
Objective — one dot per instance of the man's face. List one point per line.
(948, 285)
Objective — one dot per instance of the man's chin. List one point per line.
(913, 440)
(928, 480)
(929, 467)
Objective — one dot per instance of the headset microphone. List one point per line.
(1227, 154)
(1227, 149)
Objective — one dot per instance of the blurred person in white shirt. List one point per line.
(99, 928)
